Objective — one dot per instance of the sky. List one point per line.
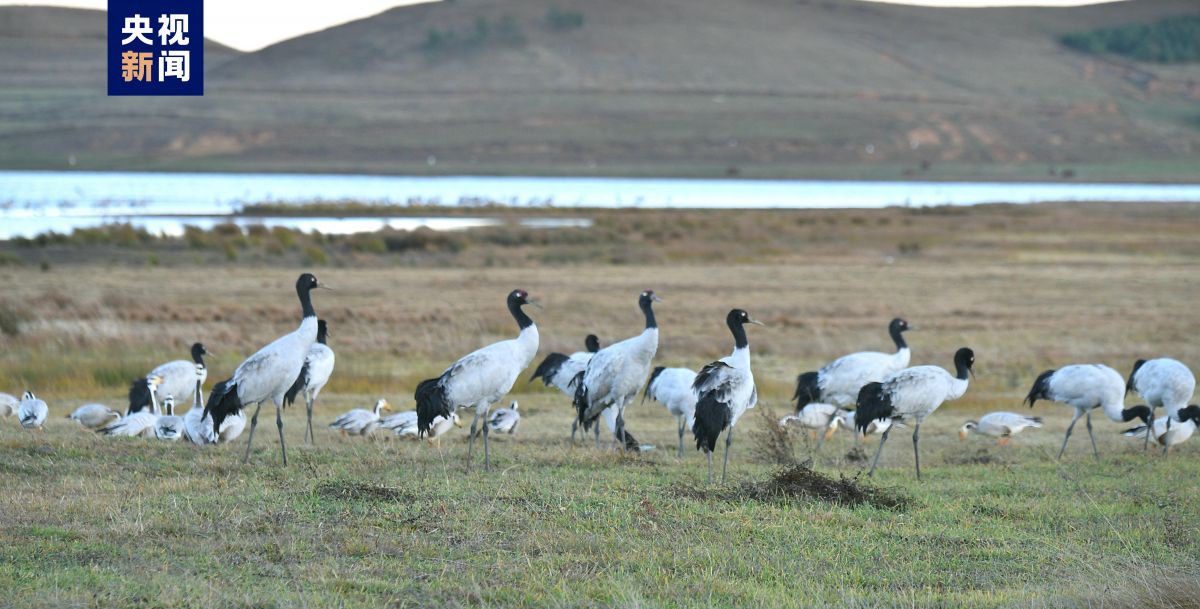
(250, 25)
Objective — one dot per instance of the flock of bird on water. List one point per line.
(602, 382)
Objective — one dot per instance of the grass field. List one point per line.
(95, 522)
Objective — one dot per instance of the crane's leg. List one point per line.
(471, 442)
(1149, 428)
(1078, 413)
(596, 430)
(878, 451)
(728, 443)
(622, 437)
(682, 426)
(708, 453)
(250, 438)
(487, 458)
(917, 449)
(279, 424)
(310, 438)
(1095, 453)
(574, 428)
(1165, 434)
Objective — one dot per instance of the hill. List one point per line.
(816, 88)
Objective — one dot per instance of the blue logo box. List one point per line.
(156, 47)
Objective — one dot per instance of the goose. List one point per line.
(724, 391)
(1177, 434)
(179, 376)
(8, 405)
(1086, 387)
(912, 394)
(505, 420)
(269, 373)
(318, 367)
(169, 426)
(94, 416)
(1163, 383)
(141, 417)
(846, 420)
(839, 381)
(616, 373)
(360, 422)
(816, 417)
(1002, 425)
(559, 371)
(32, 412)
(672, 387)
(404, 424)
(480, 378)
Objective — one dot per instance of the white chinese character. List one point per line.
(137, 26)
(176, 64)
(173, 30)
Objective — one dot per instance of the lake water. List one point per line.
(34, 202)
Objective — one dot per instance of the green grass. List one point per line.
(90, 521)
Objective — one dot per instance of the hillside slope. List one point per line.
(804, 88)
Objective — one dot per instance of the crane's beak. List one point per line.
(210, 353)
(324, 286)
(655, 298)
(912, 327)
(755, 322)
(530, 301)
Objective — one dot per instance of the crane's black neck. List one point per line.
(322, 331)
(962, 365)
(198, 353)
(306, 308)
(738, 328)
(514, 307)
(897, 336)
(592, 343)
(648, 310)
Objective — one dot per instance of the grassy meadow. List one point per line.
(97, 522)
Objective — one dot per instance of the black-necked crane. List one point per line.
(179, 376)
(318, 367)
(1178, 433)
(360, 421)
(1000, 425)
(480, 378)
(94, 416)
(617, 372)
(724, 391)
(1086, 387)
(32, 412)
(269, 373)
(1164, 383)
(559, 371)
(672, 387)
(912, 395)
(839, 381)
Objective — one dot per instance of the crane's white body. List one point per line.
(270, 372)
(617, 372)
(1088, 386)
(1165, 383)
(483, 377)
(673, 389)
(94, 416)
(360, 421)
(32, 412)
(179, 379)
(841, 379)
(916, 392)
(563, 378)
(732, 384)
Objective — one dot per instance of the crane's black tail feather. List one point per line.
(873, 405)
(1040, 388)
(807, 389)
(289, 398)
(223, 401)
(548, 368)
(139, 396)
(431, 403)
(712, 417)
(581, 402)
